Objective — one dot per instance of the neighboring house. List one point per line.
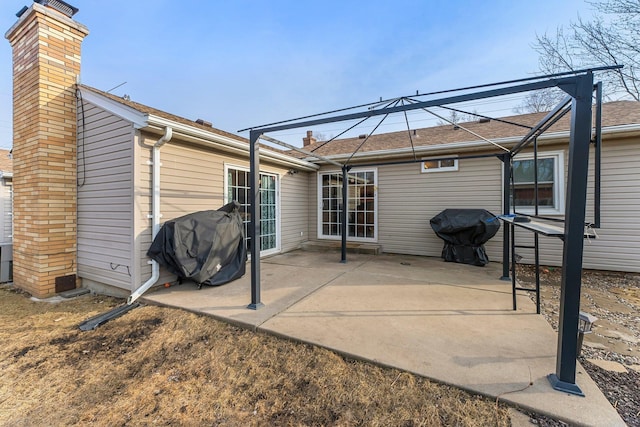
(6, 216)
(6, 197)
(86, 177)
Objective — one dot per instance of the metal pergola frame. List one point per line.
(579, 86)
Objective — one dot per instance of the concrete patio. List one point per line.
(452, 323)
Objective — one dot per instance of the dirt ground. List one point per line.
(169, 367)
(611, 353)
(161, 366)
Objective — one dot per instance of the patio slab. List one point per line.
(452, 323)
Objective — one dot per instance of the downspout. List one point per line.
(155, 213)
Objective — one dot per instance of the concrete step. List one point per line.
(332, 245)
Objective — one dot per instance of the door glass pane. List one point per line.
(360, 206)
(238, 189)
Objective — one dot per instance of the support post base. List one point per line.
(505, 278)
(563, 386)
(255, 306)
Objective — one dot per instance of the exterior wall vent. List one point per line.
(62, 7)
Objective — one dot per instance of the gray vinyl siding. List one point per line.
(6, 210)
(142, 208)
(618, 246)
(313, 206)
(477, 183)
(294, 218)
(105, 198)
(408, 199)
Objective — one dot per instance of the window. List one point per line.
(238, 188)
(550, 183)
(362, 201)
(435, 165)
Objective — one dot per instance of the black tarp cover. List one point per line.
(206, 247)
(464, 232)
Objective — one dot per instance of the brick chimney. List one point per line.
(46, 64)
(309, 139)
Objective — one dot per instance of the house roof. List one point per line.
(143, 116)
(6, 162)
(613, 114)
(145, 109)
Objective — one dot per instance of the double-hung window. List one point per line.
(550, 183)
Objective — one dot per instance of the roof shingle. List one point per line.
(614, 114)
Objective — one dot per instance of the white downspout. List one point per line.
(155, 212)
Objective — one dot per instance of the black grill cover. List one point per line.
(206, 247)
(464, 232)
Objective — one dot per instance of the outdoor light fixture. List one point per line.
(585, 323)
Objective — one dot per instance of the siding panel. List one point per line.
(105, 205)
(408, 199)
(6, 210)
(294, 210)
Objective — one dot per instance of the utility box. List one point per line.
(6, 262)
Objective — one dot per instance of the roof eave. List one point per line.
(222, 142)
(137, 118)
(619, 131)
(152, 122)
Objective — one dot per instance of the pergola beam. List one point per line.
(544, 84)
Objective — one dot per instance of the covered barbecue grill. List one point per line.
(207, 247)
(464, 232)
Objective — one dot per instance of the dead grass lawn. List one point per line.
(169, 367)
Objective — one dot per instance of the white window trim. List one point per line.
(228, 166)
(558, 187)
(453, 168)
(319, 231)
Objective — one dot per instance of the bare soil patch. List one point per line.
(169, 367)
(614, 298)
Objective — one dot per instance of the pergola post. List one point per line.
(343, 214)
(506, 230)
(564, 379)
(254, 212)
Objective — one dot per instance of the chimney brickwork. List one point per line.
(309, 139)
(46, 64)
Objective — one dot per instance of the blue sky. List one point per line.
(243, 63)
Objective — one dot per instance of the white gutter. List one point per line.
(211, 138)
(155, 213)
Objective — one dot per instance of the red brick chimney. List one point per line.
(46, 64)
(309, 139)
